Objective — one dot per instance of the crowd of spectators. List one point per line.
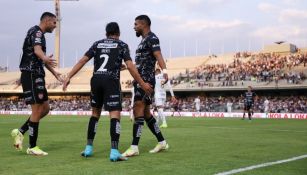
(280, 104)
(247, 67)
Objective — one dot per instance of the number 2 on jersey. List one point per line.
(104, 63)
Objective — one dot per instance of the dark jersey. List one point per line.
(108, 56)
(144, 58)
(29, 61)
(249, 97)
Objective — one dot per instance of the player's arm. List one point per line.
(134, 73)
(48, 60)
(75, 70)
(56, 74)
(158, 55)
(171, 91)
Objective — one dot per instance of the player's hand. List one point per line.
(147, 88)
(18, 83)
(165, 76)
(50, 61)
(66, 83)
(59, 77)
(174, 99)
(123, 67)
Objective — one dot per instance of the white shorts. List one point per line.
(160, 101)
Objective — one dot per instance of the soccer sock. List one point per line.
(91, 131)
(114, 132)
(162, 116)
(137, 130)
(249, 115)
(154, 128)
(25, 127)
(33, 133)
(243, 115)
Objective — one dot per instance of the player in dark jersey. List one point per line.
(249, 98)
(147, 54)
(108, 55)
(32, 79)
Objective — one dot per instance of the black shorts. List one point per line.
(33, 86)
(248, 106)
(139, 94)
(106, 92)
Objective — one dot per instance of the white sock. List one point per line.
(135, 147)
(163, 142)
(161, 114)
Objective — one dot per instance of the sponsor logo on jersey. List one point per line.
(156, 45)
(38, 40)
(107, 45)
(38, 34)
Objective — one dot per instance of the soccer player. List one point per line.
(160, 96)
(229, 106)
(147, 54)
(266, 104)
(33, 81)
(176, 108)
(249, 97)
(108, 55)
(197, 105)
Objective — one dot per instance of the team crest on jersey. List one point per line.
(40, 95)
(39, 34)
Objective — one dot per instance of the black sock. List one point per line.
(244, 115)
(249, 115)
(154, 128)
(114, 132)
(33, 133)
(91, 130)
(137, 130)
(25, 127)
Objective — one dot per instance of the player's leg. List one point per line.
(154, 128)
(91, 132)
(38, 112)
(138, 125)
(96, 103)
(115, 135)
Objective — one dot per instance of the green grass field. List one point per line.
(197, 146)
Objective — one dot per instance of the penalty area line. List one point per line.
(262, 165)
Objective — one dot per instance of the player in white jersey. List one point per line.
(160, 96)
(197, 105)
(266, 106)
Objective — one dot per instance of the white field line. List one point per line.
(274, 130)
(262, 165)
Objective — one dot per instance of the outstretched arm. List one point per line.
(75, 70)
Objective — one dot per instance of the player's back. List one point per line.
(108, 56)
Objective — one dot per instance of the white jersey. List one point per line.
(160, 91)
(266, 105)
(197, 103)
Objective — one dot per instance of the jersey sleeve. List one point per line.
(126, 53)
(154, 44)
(37, 38)
(91, 51)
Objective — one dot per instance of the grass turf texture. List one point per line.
(197, 146)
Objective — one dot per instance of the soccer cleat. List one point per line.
(159, 147)
(36, 151)
(18, 138)
(164, 125)
(131, 152)
(88, 151)
(116, 156)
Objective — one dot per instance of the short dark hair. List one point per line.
(112, 28)
(47, 14)
(144, 18)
